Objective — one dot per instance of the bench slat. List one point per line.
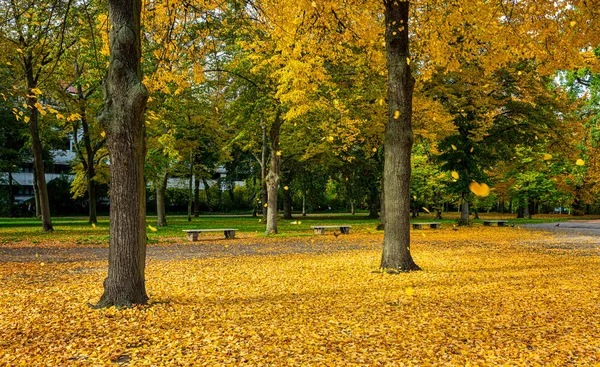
(321, 229)
(192, 234)
(433, 225)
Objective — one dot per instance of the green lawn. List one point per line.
(78, 229)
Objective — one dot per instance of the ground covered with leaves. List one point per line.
(487, 297)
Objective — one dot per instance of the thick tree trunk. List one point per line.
(161, 192)
(526, 211)
(398, 142)
(122, 118)
(273, 176)
(36, 148)
(464, 211)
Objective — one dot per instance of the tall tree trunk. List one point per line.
(90, 153)
(526, 211)
(464, 211)
(35, 195)
(36, 147)
(303, 202)
(11, 195)
(161, 191)
(208, 195)
(122, 118)
(196, 197)
(274, 174)
(190, 182)
(398, 141)
(264, 197)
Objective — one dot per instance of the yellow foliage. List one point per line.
(486, 297)
(479, 189)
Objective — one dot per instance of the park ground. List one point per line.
(487, 296)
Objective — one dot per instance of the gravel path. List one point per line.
(187, 250)
(572, 234)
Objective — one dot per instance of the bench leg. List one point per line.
(192, 236)
(500, 224)
(345, 230)
(319, 230)
(487, 224)
(416, 226)
(229, 234)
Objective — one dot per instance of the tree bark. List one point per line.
(303, 202)
(122, 118)
(274, 175)
(161, 191)
(36, 195)
(526, 211)
(36, 147)
(398, 141)
(464, 211)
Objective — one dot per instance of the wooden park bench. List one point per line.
(499, 223)
(434, 225)
(192, 234)
(321, 229)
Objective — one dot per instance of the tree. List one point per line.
(13, 136)
(396, 256)
(83, 67)
(122, 118)
(37, 31)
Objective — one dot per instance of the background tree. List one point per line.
(37, 33)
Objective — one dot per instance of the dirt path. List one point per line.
(589, 228)
(572, 235)
(201, 249)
